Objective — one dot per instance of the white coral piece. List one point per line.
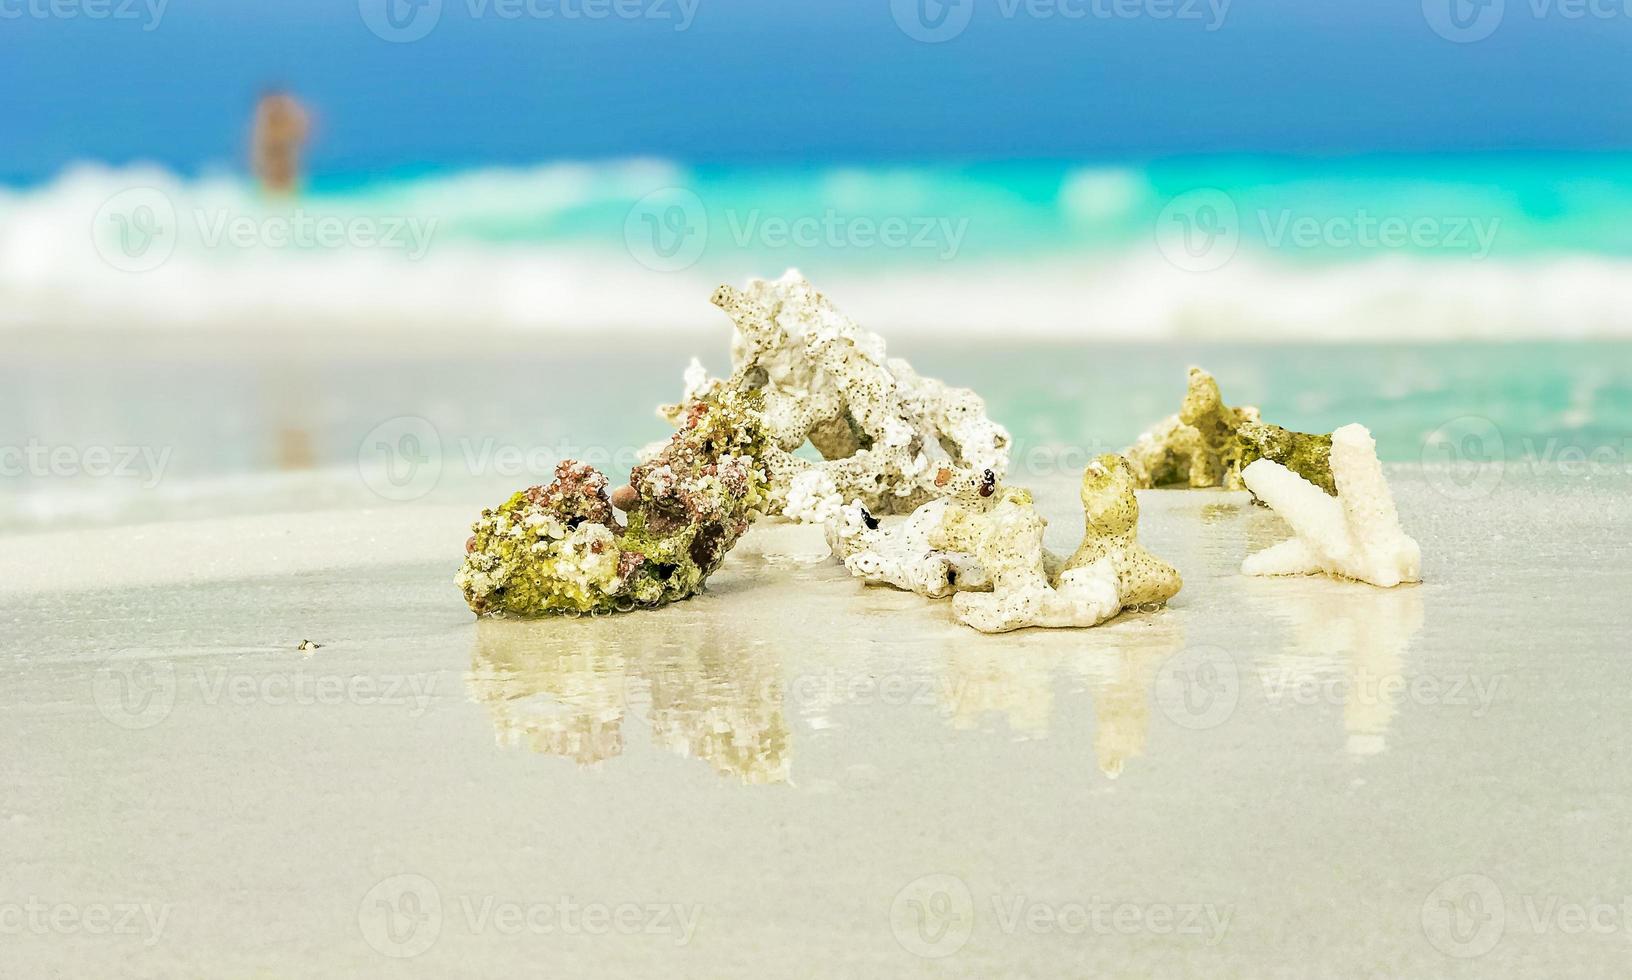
(884, 432)
(903, 556)
(983, 545)
(812, 498)
(1021, 595)
(1356, 535)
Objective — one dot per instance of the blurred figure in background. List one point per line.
(281, 128)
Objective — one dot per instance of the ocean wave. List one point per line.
(573, 247)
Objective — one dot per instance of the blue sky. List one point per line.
(841, 80)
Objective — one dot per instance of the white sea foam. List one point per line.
(57, 267)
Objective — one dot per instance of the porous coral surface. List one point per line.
(561, 550)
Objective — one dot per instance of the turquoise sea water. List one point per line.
(554, 306)
(1529, 205)
(300, 424)
(1523, 205)
(1363, 248)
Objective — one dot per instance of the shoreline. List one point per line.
(850, 743)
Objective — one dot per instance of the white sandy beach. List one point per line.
(1270, 778)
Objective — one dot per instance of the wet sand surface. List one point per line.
(793, 775)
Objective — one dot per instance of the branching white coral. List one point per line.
(884, 432)
(903, 556)
(1357, 535)
(985, 543)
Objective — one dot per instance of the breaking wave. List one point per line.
(1222, 249)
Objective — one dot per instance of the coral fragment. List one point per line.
(1357, 535)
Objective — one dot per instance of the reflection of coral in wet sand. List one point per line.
(558, 699)
(1122, 695)
(983, 681)
(1372, 629)
(722, 702)
(1119, 669)
(564, 690)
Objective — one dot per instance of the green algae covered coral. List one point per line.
(560, 549)
(1208, 443)
(1111, 533)
(1309, 456)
